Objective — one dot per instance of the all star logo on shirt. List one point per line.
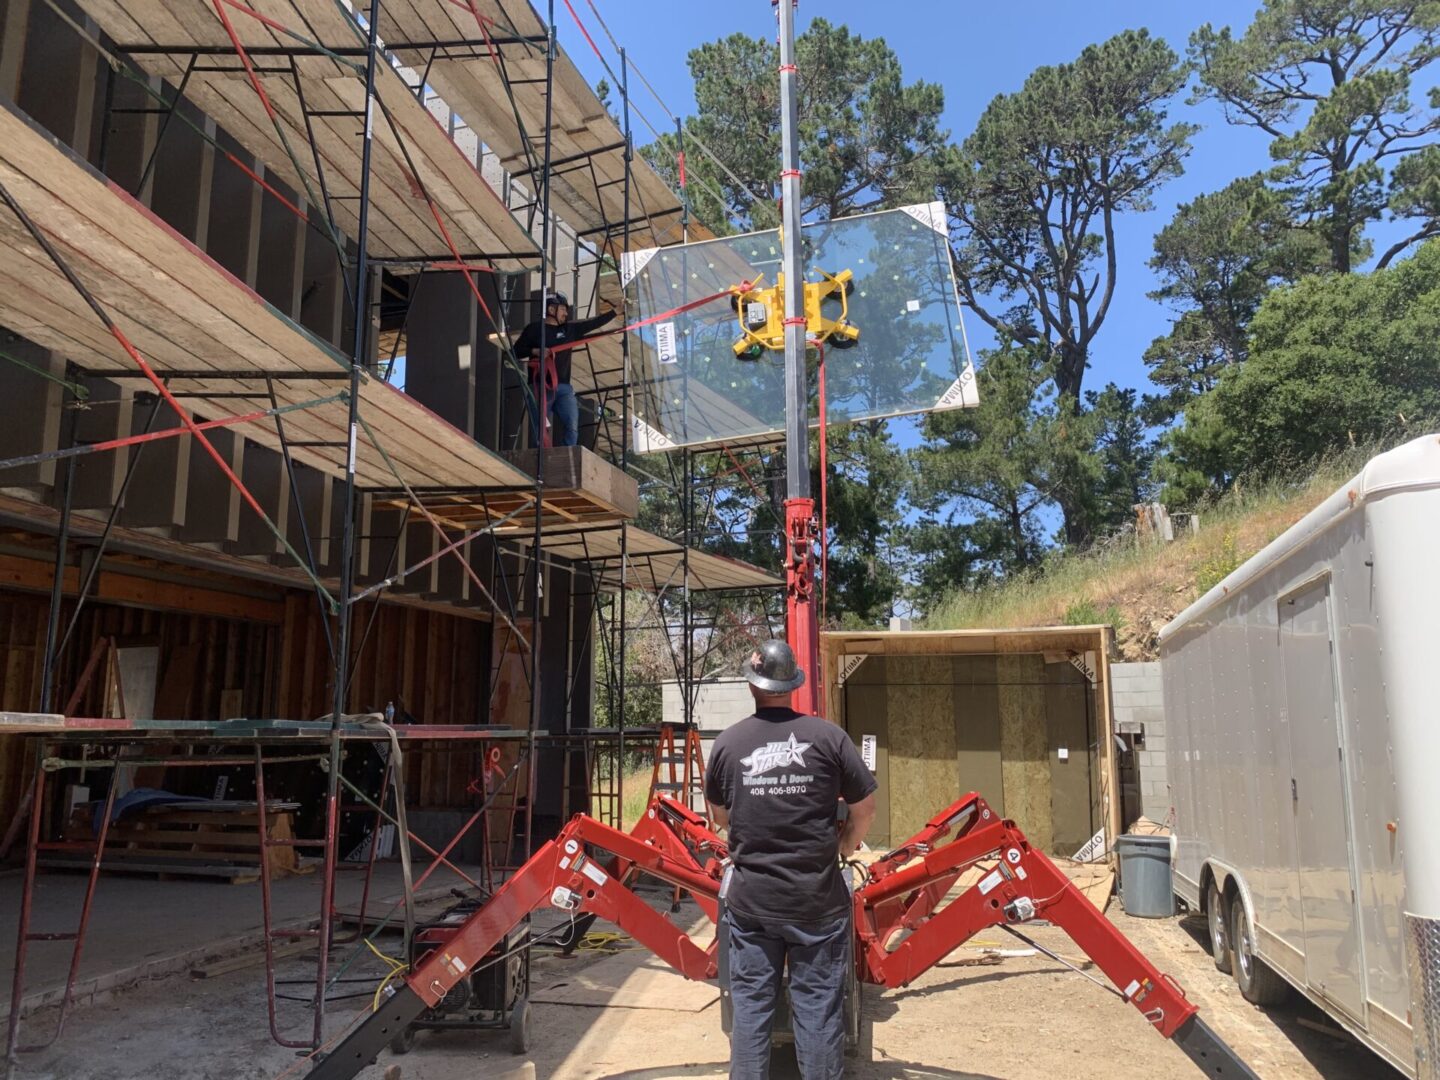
(775, 755)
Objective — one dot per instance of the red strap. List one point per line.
(567, 345)
(680, 159)
(545, 379)
(741, 468)
(795, 320)
(245, 59)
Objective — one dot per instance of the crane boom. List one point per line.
(802, 628)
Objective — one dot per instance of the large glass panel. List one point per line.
(691, 388)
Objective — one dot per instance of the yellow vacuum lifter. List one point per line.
(760, 313)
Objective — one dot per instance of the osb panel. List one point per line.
(922, 740)
(977, 738)
(869, 670)
(1074, 810)
(1024, 764)
(866, 713)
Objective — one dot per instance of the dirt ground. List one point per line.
(1024, 1017)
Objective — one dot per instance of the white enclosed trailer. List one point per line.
(1302, 703)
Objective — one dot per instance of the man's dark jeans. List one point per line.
(566, 410)
(818, 955)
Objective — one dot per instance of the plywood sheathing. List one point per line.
(588, 191)
(1024, 750)
(401, 224)
(425, 658)
(922, 740)
(867, 712)
(183, 312)
(1075, 779)
(843, 647)
(977, 728)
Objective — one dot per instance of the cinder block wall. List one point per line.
(1140, 706)
(719, 703)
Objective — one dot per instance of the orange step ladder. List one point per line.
(683, 768)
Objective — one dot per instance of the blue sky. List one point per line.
(974, 51)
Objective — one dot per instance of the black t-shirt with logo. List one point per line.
(779, 773)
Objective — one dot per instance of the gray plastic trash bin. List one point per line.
(1146, 887)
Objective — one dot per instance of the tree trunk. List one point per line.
(1017, 533)
(1069, 376)
(1075, 508)
(1077, 520)
(1341, 228)
(1070, 371)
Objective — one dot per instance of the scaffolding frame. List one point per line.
(674, 612)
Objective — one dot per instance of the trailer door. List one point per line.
(1319, 798)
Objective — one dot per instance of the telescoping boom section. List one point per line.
(588, 868)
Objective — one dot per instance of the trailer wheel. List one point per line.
(1219, 931)
(1259, 984)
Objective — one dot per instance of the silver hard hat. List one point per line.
(556, 298)
(772, 668)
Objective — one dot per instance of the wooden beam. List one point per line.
(119, 588)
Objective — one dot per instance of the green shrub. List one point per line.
(1085, 612)
(1219, 565)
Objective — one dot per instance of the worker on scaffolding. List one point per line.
(774, 781)
(552, 372)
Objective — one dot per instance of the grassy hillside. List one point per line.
(1139, 589)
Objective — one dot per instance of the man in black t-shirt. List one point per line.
(558, 329)
(774, 781)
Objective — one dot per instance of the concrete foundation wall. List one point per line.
(1140, 709)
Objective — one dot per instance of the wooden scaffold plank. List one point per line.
(323, 95)
(190, 318)
(587, 145)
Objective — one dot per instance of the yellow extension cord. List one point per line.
(396, 967)
(604, 941)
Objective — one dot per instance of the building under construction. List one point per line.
(239, 564)
(299, 590)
